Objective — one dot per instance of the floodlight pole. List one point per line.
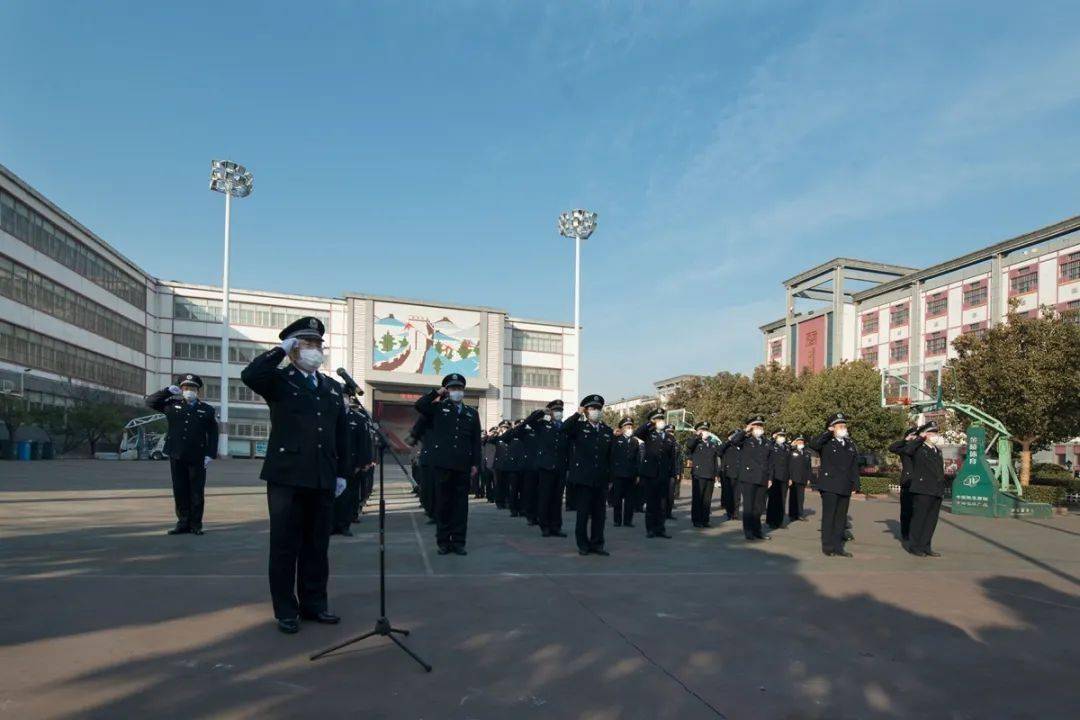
(577, 317)
(223, 434)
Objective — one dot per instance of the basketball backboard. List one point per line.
(917, 387)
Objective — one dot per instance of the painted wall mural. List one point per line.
(422, 340)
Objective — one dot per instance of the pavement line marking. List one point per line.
(420, 542)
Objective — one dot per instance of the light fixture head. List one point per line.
(231, 178)
(577, 224)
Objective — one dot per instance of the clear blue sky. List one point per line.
(425, 150)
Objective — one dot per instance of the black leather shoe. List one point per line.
(843, 553)
(545, 533)
(931, 553)
(827, 553)
(628, 524)
(346, 532)
(650, 534)
(196, 531)
(179, 530)
(601, 551)
(582, 552)
(460, 550)
(558, 533)
(917, 553)
(289, 626)
(706, 524)
(663, 534)
(324, 617)
(444, 550)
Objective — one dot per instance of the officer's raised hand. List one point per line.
(339, 486)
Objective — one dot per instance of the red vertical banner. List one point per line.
(812, 345)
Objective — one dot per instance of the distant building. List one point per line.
(666, 388)
(627, 406)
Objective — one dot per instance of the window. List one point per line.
(540, 377)
(241, 352)
(240, 313)
(937, 305)
(249, 429)
(34, 290)
(936, 344)
(534, 341)
(27, 225)
(521, 409)
(1069, 268)
(870, 323)
(776, 350)
(975, 294)
(977, 329)
(898, 315)
(898, 351)
(34, 350)
(870, 355)
(238, 391)
(1023, 281)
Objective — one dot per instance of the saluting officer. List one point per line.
(837, 479)
(729, 482)
(705, 452)
(897, 447)
(674, 489)
(523, 448)
(487, 472)
(551, 450)
(305, 469)
(780, 479)
(191, 443)
(347, 505)
(800, 478)
(590, 469)
(502, 465)
(655, 469)
(927, 487)
(625, 455)
(755, 468)
(453, 445)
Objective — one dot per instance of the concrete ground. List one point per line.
(104, 616)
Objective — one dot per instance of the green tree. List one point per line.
(854, 389)
(437, 365)
(14, 412)
(464, 349)
(403, 342)
(726, 399)
(1024, 372)
(387, 342)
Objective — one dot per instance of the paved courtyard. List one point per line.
(102, 615)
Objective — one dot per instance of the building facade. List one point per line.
(76, 316)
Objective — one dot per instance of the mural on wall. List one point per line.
(423, 340)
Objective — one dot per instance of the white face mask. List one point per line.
(457, 395)
(556, 415)
(593, 414)
(799, 446)
(309, 359)
(936, 440)
(190, 395)
(758, 431)
(780, 439)
(628, 431)
(841, 432)
(660, 424)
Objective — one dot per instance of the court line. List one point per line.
(420, 542)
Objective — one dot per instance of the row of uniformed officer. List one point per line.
(927, 487)
(779, 480)
(550, 450)
(655, 470)
(755, 469)
(800, 477)
(361, 459)
(191, 443)
(591, 441)
(625, 460)
(729, 481)
(706, 453)
(453, 445)
(306, 466)
(905, 480)
(838, 477)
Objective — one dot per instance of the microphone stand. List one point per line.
(382, 624)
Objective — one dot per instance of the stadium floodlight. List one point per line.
(579, 225)
(232, 180)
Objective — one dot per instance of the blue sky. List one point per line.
(425, 150)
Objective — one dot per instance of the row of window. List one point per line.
(32, 228)
(238, 392)
(538, 377)
(34, 290)
(241, 352)
(241, 313)
(521, 409)
(40, 352)
(534, 341)
(249, 430)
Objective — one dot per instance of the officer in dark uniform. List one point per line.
(729, 482)
(800, 478)
(705, 452)
(347, 505)
(897, 447)
(590, 470)
(927, 488)
(191, 443)
(305, 469)
(674, 489)
(837, 479)
(487, 472)
(424, 478)
(625, 456)
(780, 479)
(502, 466)
(755, 471)
(523, 448)
(551, 450)
(655, 470)
(516, 463)
(453, 445)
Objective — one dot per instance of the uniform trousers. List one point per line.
(655, 499)
(672, 493)
(300, 520)
(729, 498)
(796, 497)
(905, 511)
(347, 503)
(502, 488)
(188, 486)
(549, 497)
(774, 510)
(753, 504)
(530, 482)
(513, 497)
(591, 505)
(624, 492)
(451, 505)
(924, 519)
(701, 492)
(833, 520)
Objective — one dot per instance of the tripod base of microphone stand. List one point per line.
(382, 627)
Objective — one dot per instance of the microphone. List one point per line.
(350, 384)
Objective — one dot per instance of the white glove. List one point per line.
(288, 344)
(206, 461)
(340, 486)
(174, 389)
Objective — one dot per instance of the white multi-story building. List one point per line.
(76, 315)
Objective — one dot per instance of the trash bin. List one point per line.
(47, 450)
(35, 450)
(24, 450)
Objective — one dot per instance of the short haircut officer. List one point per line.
(837, 479)
(590, 469)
